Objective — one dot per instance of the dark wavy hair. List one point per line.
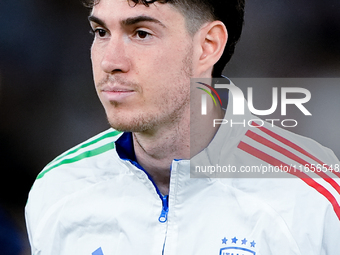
(197, 12)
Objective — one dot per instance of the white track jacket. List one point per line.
(96, 200)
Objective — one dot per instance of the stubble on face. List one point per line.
(171, 104)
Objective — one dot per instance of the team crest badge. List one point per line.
(235, 246)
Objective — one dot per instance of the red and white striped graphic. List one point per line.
(285, 149)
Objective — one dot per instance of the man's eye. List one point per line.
(99, 32)
(141, 34)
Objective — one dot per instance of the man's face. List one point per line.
(142, 63)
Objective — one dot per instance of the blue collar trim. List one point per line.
(126, 151)
(124, 147)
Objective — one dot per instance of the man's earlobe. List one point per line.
(214, 38)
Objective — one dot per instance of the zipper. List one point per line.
(165, 209)
(165, 199)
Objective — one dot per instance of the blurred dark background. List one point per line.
(48, 102)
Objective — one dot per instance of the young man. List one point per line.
(130, 191)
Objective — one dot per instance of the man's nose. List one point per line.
(115, 58)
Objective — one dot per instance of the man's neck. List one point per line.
(189, 135)
(156, 150)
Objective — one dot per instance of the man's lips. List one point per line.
(117, 93)
(116, 89)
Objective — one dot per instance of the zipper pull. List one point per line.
(165, 209)
(164, 216)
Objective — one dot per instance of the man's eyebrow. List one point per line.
(128, 21)
(141, 18)
(96, 20)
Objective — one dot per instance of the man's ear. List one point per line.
(213, 39)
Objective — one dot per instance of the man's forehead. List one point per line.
(118, 10)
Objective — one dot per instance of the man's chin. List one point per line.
(130, 126)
